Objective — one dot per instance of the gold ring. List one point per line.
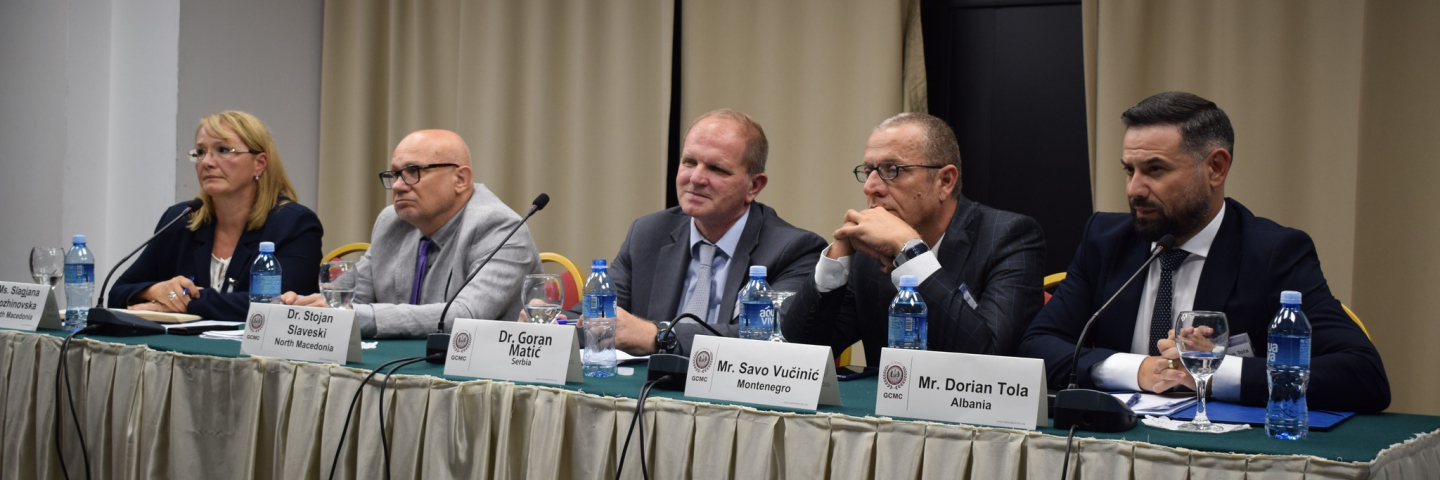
(1170, 363)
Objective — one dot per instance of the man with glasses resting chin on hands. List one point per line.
(438, 230)
(980, 269)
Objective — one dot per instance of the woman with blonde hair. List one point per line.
(204, 267)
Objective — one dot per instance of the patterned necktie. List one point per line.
(1164, 315)
(699, 302)
(420, 261)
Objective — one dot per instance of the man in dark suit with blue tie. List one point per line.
(695, 257)
(980, 269)
(1177, 155)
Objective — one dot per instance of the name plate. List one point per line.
(787, 375)
(989, 390)
(27, 306)
(518, 352)
(326, 335)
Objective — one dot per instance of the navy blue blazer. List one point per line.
(998, 256)
(295, 230)
(1251, 261)
(649, 272)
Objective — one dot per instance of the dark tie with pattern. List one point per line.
(1164, 314)
(420, 261)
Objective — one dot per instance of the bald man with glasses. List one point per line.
(980, 269)
(424, 245)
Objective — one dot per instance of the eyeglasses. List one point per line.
(221, 151)
(411, 174)
(888, 170)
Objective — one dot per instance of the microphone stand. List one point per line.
(115, 322)
(669, 369)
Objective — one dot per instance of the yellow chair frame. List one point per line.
(344, 250)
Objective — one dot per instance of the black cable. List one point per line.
(346, 426)
(639, 411)
(63, 368)
(385, 444)
(1069, 440)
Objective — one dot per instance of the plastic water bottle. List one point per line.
(1287, 360)
(265, 275)
(597, 328)
(757, 314)
(79, 284)
(908, 326)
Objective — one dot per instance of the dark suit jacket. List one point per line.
(295, 230)
(649, 272)
(999, 256)
(1251, 261)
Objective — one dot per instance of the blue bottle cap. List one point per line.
(1289, 297)
(598, 264)
(78, 240)
(909, 281)
(757, 270)
(267, 247)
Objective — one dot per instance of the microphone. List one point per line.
(439, 343)
(116, 323)
(667, 368)
(1093, 410)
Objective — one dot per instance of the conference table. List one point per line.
(167, 406)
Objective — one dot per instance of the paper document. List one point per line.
(1156, 404)
(236, 335)
(202, 323)
(623, 358)
(164, 317)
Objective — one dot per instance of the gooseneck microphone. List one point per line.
(1093, 410)
(116, 323)
(667, 368)
(439, 342)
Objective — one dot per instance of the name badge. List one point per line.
(1240, 346)
(325, 335)
(27, 306)
(1003, 392)
(787, 375)
(519, 352)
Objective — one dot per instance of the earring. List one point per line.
(257, 178)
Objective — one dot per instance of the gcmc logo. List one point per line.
(894, 375)
(702, 359)
(462, 342)
(257, 322)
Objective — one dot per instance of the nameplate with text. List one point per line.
(27, 306)
(325, 335)
(779, 374)
(1005, 392)
(518, 352)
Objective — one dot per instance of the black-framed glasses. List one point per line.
(220, 151)
(888, 170)
(411, 174)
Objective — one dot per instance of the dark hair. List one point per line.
(1203, 125)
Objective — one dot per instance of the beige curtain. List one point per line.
(1333, 106)
(568, 97)
(816, 74)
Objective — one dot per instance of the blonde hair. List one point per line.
(757, 148)
(273, 183)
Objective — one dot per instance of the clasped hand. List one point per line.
(874, 232)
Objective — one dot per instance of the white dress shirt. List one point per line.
(719, 266)
(1119, 372)
(833, 273)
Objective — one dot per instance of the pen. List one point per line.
(1134, 399)
(186, 290)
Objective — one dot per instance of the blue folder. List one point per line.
(1222, 412)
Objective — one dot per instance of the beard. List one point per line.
(1186, 218)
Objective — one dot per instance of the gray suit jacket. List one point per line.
(998, 256)
(649, 271)
(387, 271)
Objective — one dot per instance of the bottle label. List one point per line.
(1288, 350)
(79, 273)
(265, 284)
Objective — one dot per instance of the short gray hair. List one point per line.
(757, 148)
(937, 139)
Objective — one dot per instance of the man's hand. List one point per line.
(1156, 373)
(634, 335)
(876, 232)
(315, 300)
(172, 295)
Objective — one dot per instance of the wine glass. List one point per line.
(778, 298)
(1202, 338)
(543, 296)
(337, 283)
(45, 265)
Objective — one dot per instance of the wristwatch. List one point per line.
(913, 248)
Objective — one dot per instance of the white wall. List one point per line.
(99, 98)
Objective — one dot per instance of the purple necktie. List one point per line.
(425, 245)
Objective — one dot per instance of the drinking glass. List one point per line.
(337, 283)
(1202, 338)
(46, 264)
(543, 296)
(778, 298)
